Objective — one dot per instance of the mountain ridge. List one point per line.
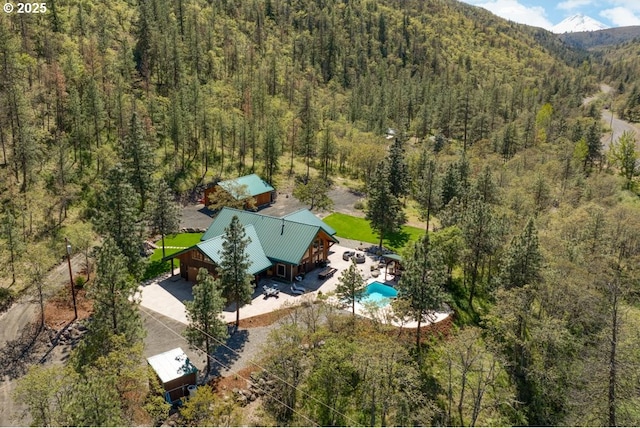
(578, 23)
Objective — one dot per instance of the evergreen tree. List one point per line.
(422, 282)
(115, 311)
(486, 188)
(450, 185)
(480, 231)
(327, 152)
(14, 243)
(205, 328)
(624, 155)
(119, 218)
(351, 285)
(138, 159)
(271, 149)
(426, 192)
(308, 127)
(234, 262)
(523, 259)
(594, 145)
(165, 213)
(398, 170)
(384, 211)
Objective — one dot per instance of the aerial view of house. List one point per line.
(248, 186)
(283, 247)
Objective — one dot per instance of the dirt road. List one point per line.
(16, 352)
(617, 126)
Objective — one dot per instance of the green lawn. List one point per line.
(178, 242)
(358, 229)
(181, 240)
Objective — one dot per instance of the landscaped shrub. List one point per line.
(80, 281)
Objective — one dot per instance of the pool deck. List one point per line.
(166, 294)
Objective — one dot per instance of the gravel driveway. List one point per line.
(199, 217)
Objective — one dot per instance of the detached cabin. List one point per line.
(280, 246)
(249, 186)
(175, 371)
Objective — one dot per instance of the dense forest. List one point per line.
(111, 111)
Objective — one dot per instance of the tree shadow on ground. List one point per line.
(397, 240)
(225, 356)
(18, 355)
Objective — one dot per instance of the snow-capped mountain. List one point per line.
(577, 23)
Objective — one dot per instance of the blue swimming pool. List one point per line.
(379, 293)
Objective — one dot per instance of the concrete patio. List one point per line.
(167, 294)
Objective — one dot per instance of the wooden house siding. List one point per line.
(191, 262)
(177, 388)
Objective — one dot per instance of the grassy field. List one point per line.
(358, 229)
(175, 243)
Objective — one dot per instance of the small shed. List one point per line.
(175, 371)
(243, 187)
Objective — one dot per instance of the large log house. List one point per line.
(280, 246)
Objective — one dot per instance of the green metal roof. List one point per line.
(282, 240)
(307, 217)
(212, 248)
(253, 184)
(396, 257)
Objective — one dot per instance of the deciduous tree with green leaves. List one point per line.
(314, 192)
(206, 329)
(234, 263)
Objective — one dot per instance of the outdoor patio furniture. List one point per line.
(359, 257)
(297, 287)
(299, 278)
(296, 290)
(347, 255)
(270, 291)
(327, 273)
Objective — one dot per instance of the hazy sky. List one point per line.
(546, 13)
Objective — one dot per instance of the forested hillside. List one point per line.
(534, 220)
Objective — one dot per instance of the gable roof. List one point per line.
(171, 365)
(307, 217)
(212, 248)
(282, 240)
(254, 185)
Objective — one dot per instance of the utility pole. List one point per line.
(73, 292)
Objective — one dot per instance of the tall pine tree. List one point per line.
(523, 260)
(384, 210)
(422, 283)
(205, 327)
(234, 262)
(119, 218)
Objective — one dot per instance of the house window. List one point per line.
(197, 255)
(281, 271)
(207, 259)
